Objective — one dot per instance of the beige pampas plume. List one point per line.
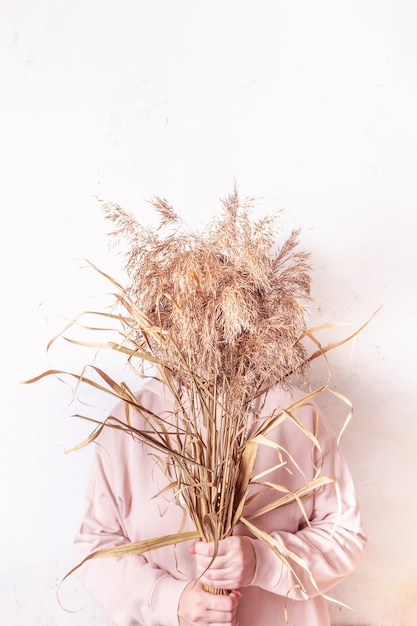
(232, 309)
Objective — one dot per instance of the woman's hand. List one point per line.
(198, 606)
(233, 566)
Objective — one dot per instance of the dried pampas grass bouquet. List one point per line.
(221, 316)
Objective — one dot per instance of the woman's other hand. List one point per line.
(198, 606)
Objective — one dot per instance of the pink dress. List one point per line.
(121, 507)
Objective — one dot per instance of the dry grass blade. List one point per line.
(243, 478)
(307, 490)
(285, 555)
(324, 349)
(136, 548)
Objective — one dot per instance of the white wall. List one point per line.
(311, 107)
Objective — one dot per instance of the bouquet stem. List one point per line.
(216, 591)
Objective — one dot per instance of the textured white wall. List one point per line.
(311, 107)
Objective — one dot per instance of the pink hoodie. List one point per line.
(121, 507)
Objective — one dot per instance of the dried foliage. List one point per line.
(221, 317)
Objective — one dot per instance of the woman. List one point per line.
(126, 502)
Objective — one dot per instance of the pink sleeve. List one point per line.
(131, 590)
(330, 547)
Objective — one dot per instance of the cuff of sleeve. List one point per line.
(269, 567)
(165, 599)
